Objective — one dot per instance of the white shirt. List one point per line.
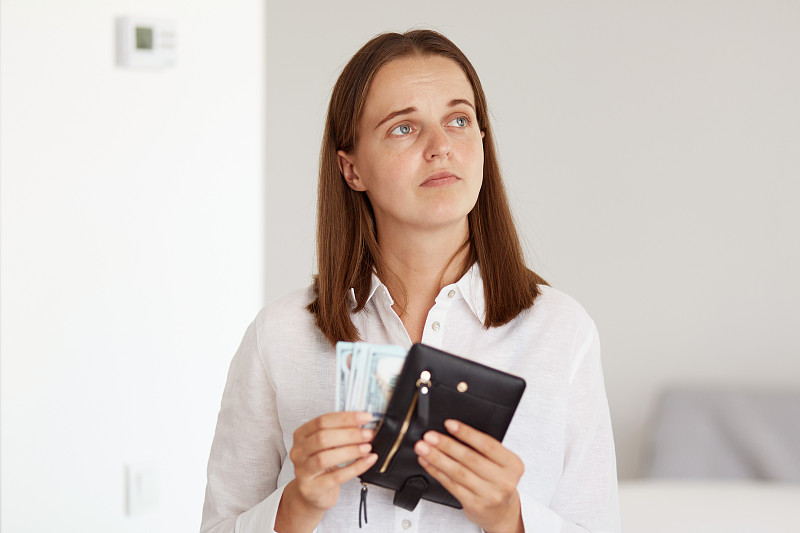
(284, 374)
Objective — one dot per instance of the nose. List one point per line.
(438, 144)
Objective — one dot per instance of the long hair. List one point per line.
(347, 244)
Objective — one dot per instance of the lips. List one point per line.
(440, 179)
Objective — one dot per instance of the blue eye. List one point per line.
(402, 129)
(460, 122)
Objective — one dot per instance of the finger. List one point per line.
(484, 467)
(455, 470)
(353, 470)
(485, 444)
(337, 476)
(463, 494)
(328, 460)
(333, 438)
(333, 420)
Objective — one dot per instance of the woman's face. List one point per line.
(419, 155)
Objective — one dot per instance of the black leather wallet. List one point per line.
(434, 386)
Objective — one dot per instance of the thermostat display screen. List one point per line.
(144, 38)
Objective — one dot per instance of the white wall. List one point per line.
(131, 253)
(651, 154)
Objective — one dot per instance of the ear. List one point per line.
(345, 161)
(483, 134)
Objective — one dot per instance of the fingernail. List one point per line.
(451, 425)
(368, 434)
(422, 461)
(421, 448)
(431, 437)
(371, 458)
(364, 417)
(364, 448)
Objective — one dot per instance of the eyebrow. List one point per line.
(409, 110)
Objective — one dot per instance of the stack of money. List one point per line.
(367, 374)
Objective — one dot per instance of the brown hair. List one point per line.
(347, 245)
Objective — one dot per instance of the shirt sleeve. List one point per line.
(242, 493)
(586, 498)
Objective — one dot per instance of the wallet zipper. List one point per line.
(423, 387)
(362, 506)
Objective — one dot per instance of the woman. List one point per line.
(415, 244)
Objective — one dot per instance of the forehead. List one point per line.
(404, 82)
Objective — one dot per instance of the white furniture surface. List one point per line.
(684, 506)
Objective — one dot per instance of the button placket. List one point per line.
(447, 295)
(406, 521)
(434, 325)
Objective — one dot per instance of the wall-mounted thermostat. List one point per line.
(144, 42)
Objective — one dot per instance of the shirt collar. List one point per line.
(470, 286)
(375, 283)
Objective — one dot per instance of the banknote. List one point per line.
(385, 363)
(366, 376)
(344, 356)
(356, 376)
(348, 355)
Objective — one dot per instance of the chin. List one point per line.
(444, 218)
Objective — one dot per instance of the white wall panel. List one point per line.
(131, 255)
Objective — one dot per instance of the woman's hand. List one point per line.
(320, 447)
(483, 478)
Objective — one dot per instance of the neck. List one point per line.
(418, 265)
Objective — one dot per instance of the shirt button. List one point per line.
(435, 326)
(451, 294)
(406, 523)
